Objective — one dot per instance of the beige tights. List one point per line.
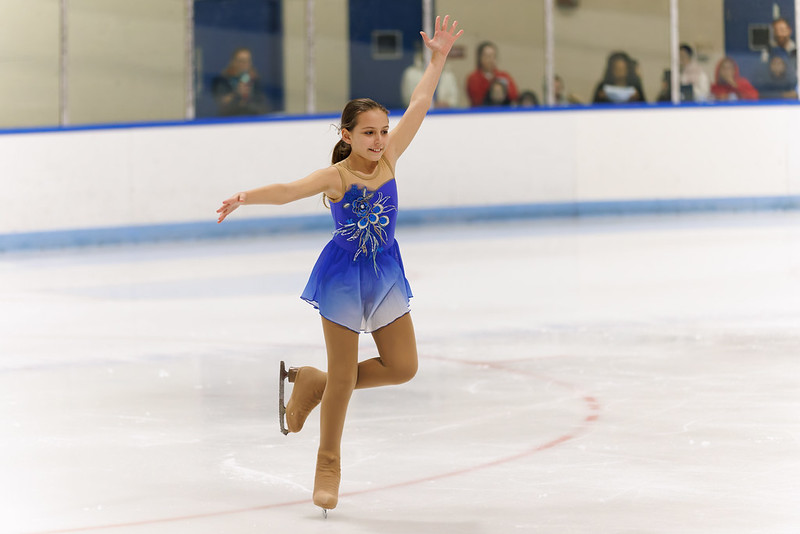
(396, 363)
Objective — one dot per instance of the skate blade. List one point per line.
(324, 513)
(281, 406)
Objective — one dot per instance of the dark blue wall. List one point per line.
(380, 79)
(739, 14)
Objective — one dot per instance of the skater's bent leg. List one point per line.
(342, 348)
(397, 361)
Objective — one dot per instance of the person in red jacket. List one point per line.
(729, 84)
(486, 72)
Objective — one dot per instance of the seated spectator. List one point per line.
(778, 82)
(560, 95)
(238, 90)
(563, 98)
(528, 99)
(665, 95)
(481, 78)
(447, 91)
(692, 75)
(498, 93)
(729, 84)
(694, 84)
(782, 40)
(620, 82)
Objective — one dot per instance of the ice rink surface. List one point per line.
(601, 375)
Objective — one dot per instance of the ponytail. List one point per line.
(340, 152)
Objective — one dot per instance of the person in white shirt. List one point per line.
(447, 92)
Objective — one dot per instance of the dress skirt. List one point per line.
(362, 294)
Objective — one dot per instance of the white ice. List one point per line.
(603, 375)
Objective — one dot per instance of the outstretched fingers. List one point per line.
(452, 29)
(443, 36)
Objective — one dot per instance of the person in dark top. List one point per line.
(238, 90)
(498, 93)
(778, 82)
(620, 83)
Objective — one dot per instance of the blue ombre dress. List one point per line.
(358, 280)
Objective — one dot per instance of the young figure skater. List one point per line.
(358, 283)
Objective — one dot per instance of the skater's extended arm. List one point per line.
(322, 181)
(421, 98)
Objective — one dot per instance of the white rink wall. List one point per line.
(124, 178)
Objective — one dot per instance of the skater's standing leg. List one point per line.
(342, 347)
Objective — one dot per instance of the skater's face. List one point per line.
(370, 135)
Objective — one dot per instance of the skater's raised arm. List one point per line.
(402, 135)
(322, 181)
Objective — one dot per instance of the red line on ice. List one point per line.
(594, 414)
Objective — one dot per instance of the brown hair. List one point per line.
(350, 114)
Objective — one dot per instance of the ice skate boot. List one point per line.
(309, 385)
(326, 481)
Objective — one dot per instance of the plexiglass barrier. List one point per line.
(76, 62)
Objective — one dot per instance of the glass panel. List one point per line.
(126, 60)
(746, 48)
(702, 34)
(239, 57)
(29, 63)
(611, 52)
(331, 55)
(500, 59)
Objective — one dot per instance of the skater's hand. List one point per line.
(231, 204)
(443, 38)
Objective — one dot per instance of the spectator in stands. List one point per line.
(498, 93)
(563, 98)
(778, 82)
(486, 71)
(528, 99)
(238, 90)
(694, 85)
(693, 75)
(783, 43)
(560, 94)
(447, 92)
(620, 82)
(729, 84)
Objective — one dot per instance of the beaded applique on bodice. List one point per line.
(365, 219)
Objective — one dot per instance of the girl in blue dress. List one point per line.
(358, 283)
